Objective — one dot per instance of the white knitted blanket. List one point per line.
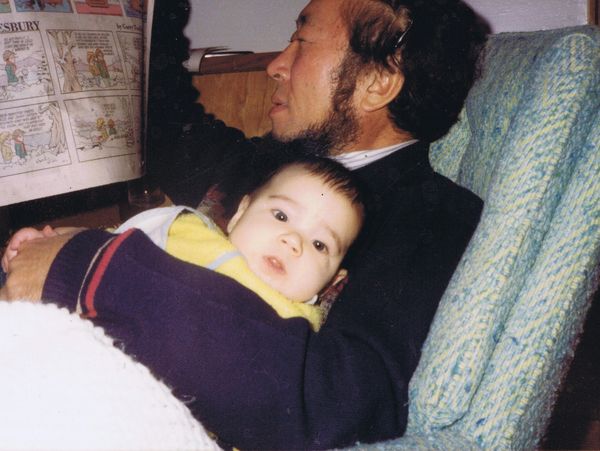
(64, 386)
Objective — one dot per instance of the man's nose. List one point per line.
(292, 242)
(279, 68)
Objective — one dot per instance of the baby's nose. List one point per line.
(293, 242)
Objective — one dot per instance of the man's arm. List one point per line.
(28, 270)
(187, 148)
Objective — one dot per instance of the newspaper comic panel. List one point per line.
(71, 93)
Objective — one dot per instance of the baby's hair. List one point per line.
(333, 174)
(241, 176)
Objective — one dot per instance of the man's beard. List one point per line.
(340, 128)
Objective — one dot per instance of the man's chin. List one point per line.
(283, 135)
(294, 143)
(316, 139)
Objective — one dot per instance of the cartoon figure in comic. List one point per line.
(100, 135)
(18, 137)
(43, 5)
(129, 137)
(136, 5)
(66, 59)
(134, 69)
(131, 47)
(40, 144)
(5, 149)
(101, 126)
(112, 130)
(82, 67)
(26, 67)
(102, 68)
(93, 67)
(4, 6)
(10, 66)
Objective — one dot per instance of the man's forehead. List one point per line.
(320, 13)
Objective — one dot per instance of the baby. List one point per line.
(285, 242)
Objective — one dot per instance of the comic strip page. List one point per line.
(71, 94)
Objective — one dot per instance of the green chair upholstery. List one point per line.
(528, 143)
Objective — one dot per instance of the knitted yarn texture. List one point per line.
(64, 385)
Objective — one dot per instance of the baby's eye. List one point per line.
(320, 246)
(279, 215)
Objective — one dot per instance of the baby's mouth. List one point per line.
(274, 264)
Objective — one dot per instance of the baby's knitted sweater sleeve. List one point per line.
(255, 379)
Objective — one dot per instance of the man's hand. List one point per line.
(27, 271)
(22, 235)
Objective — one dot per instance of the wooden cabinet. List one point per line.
(237, 90)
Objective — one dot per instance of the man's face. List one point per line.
(294, 232)
(307, 73)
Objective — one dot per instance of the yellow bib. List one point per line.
(189, 239)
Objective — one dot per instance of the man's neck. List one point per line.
(376, 137)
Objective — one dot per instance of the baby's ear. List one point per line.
(333, 288)
(331, 292)
(238, 214)
(339, 277)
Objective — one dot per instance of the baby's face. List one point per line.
(294, 232)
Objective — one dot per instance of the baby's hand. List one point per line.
(25, 234)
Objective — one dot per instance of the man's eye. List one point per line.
(296, 38)
(280, 215)
(320, 246)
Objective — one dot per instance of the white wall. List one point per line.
(530, 15)
(257, 25)
(266, 25)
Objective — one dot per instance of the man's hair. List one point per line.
(434, 43)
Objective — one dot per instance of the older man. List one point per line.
(370, 83)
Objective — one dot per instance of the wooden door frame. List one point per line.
(594, 12)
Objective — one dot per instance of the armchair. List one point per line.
(528, 143)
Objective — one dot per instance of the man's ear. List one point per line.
(242, 207)
(379, 87)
